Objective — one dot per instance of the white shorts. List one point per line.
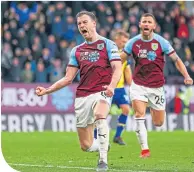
(154, 96)
(84, 108)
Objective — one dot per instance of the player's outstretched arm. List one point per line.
(182, 69)
(70, 75)
(117, 71)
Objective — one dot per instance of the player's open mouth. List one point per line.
(145, 29)
(84, 32)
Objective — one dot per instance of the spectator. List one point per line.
(52, 46)
(22, 39)
(42, 35)
(15, 70)
(57, 27)
(41, 73)
(169, 26)
(63, 51)
(60, 9)
(47, 58)
(71, 46)
(23, 11)
(191, 35)
(133, 31)
(26, 56)
(119, 21)
(183, 30)
(70, 30)
(78, 38)
(13, 28)
(37, 41)
(8, 37)
(103, 32)
(110, 22)
(6, 60)
(27, 74)
(47, 30)
(57, 72)
(158, 29)
(101, 15)
(167, 36)
(50, 14)
(36, 52)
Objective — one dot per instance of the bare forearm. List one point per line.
(115, 77)
(181, 67)
(58, 85)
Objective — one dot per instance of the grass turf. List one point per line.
(57, 152)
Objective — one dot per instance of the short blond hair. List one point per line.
(119, 34)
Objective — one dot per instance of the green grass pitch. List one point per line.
(60, 152)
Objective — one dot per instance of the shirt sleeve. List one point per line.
(73, 60)
(128, 47)
(113, 52)
(166, 47)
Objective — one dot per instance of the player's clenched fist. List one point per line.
(188, 81)
(109, 92)
(40, 91)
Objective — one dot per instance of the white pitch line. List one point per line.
(68, 167)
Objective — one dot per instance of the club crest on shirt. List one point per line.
(100, 46)
(154, 46)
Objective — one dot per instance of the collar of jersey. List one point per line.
(87, 42)
(147, 40)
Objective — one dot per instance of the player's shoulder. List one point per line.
(107, 41)
(134, 39)
(159, 38)
(80, 45)
(76, 47)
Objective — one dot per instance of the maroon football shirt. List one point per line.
(149, 59)
(93, 60)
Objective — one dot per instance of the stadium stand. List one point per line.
(37, 37)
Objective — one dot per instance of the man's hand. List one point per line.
(109, 91)
(40, 91)
(188, 81)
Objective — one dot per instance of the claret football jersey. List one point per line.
(149, 59)
(93, 59)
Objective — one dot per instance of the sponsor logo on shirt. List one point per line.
(114, 51)
(92, 56)
(150, 55)
(142, 53)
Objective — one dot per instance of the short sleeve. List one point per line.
(113, 52)
(73, 61)
(167, 48)
(128, 47)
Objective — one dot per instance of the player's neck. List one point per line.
(94, 38)
(147, 37)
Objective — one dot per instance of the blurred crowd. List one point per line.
(37, 37)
